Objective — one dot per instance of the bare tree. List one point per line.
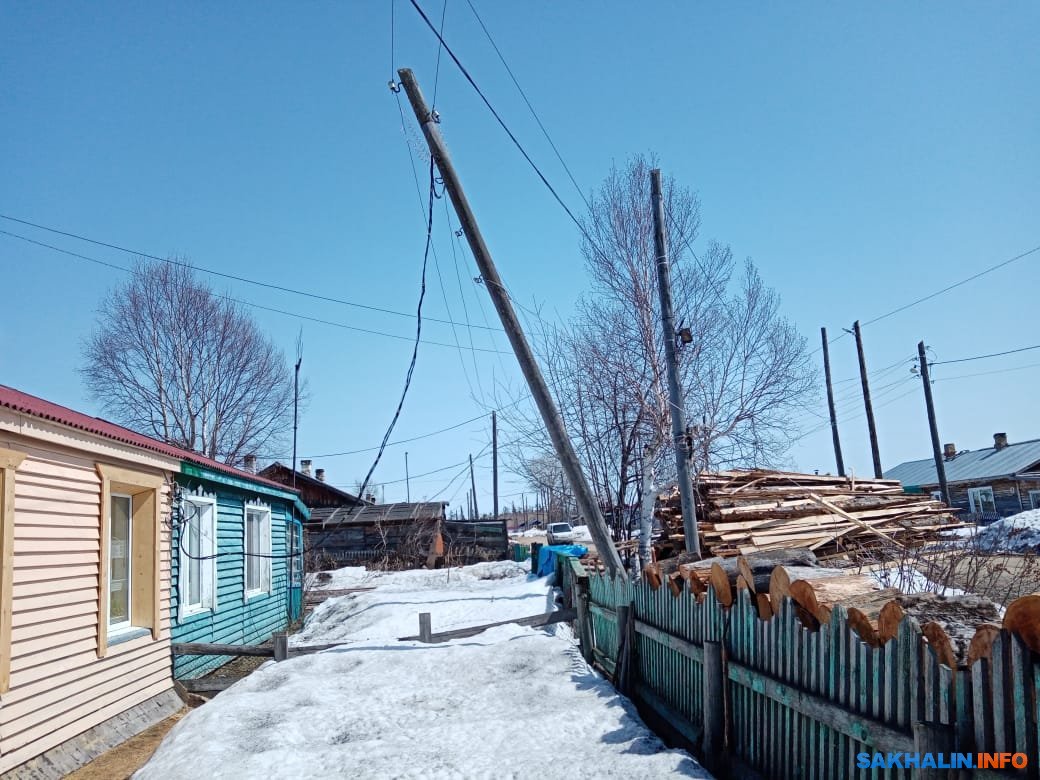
(172, 359)
(744, 374)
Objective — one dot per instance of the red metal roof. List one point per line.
(37, 407)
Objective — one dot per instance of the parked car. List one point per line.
(560, 533)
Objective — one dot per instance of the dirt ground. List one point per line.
(122, 761)
(1002, 578)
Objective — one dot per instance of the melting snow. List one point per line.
(510, 702)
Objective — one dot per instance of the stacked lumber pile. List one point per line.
(749, 511)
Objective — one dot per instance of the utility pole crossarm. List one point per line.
(587, 502)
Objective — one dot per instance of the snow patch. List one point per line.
(1016, 534)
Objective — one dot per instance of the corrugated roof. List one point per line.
(46, 410)
(379, 512)
(972, 465)
(313, 481)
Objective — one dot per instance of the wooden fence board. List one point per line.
(802, 702)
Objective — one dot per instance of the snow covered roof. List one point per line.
(971, 466)
(428, 510)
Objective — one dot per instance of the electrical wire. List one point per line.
(244, 302)
(530, 107)
(983, 357)
(221, 274)
(986, 373)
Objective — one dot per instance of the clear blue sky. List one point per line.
(863, 157)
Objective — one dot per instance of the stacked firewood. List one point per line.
(749, 511)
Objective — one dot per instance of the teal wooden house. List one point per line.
(237, 562)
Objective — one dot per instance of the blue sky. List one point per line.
(862, 156)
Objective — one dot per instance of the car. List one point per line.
(560, 533)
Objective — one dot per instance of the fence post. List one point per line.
(581, 603)
(425, 627)
(714, 715)
(932, 738)
(281, 646)
(535, 549)
(623, 669)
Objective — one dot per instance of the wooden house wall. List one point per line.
(360, 541)
(59, 686)
(236, 619)
(1006, 496)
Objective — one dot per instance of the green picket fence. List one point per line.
(790, 702)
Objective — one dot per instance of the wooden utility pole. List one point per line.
(296, 411)
(871, 427)
(473, 486)
(678, 412)
(528, 365)
(494, 463)
(830, 404)
(933, 426)
(407, 482)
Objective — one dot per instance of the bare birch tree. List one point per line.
(172, 359)
(743, 376)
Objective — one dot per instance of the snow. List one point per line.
(1016, 534)
(509, 702)
(582, 533)
(909, 580)
(528, 533)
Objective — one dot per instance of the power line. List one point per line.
(245, 302)
(987, 373)
(495, 113)
(411, 364)
(221, 274)
(983, 357)
(530, 107)
(953, 286)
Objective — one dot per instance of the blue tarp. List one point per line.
(547, 558)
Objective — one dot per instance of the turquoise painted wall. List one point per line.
(236, 619)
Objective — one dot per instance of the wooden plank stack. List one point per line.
(746, 511)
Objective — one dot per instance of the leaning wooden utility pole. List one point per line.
(407, 481)
(830, 404)
(933, 426)
(871, 427)
(528, 365)
(682, 449)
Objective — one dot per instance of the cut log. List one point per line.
(981, 645)
(940, 643)
(1023, 619)
(765, 609)
(889, 617)
(745, 571)
(862, 626)
(720, 582)
(779, 588)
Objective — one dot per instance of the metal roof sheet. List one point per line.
(427, 510)
(37, 407)
(971, 466)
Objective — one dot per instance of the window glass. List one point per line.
(193, 543)
(119, 561)
(254, 535)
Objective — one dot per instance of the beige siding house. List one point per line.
(84, 586)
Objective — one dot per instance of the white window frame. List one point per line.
(265, 549)
(975, 504)
(1034, 499)
(123, 625)
(207, 548)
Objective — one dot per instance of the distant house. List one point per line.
(315, 492)
(991, 483)
(347, 535)
(101, 532)
(237, 562)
